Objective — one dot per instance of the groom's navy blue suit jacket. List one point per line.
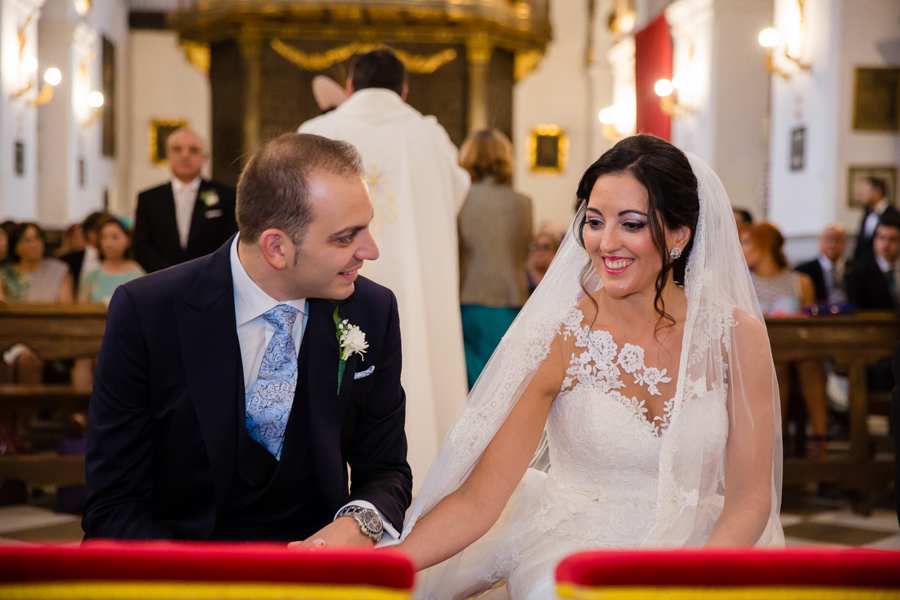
(162, 449)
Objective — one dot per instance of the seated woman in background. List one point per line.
(31, 277)
(116, 264)
(494, 232)
(542, 250)
(783, 292)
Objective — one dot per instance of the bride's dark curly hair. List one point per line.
(671, 186)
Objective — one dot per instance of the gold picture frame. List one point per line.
(876, 99)
(856, 174)
(548, 150)
(159, 132)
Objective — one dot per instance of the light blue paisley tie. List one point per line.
(269, 404)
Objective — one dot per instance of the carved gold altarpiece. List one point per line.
(463, 57)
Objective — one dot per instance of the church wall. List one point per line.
(163, 85)
(869, 38)
(557, 92)
(75, 177)
(719, 66)
(18, 121)
(840, 38)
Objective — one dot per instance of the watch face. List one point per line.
(371, 521)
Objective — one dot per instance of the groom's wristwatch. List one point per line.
(369, 521)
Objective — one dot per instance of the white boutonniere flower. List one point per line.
(209, 197)
(351, 340)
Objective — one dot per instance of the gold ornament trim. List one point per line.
(197, 54)
(318, 62)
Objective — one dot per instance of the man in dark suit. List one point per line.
(873, 284)
(186, 218)
(829, 269)
(873, 194)
(208, 424)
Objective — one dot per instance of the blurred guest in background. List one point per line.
(829, 269)
(783, 292)
(742, 216)
(116, 265)
(872, 192)
(189, 216)
(30, 277)
(4, 246)
(72, 240)
(98, 284)
(541, 252)
(494, 233)
(87, 258)
(873, 283)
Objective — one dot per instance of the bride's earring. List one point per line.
(675, 253)
(596, 277)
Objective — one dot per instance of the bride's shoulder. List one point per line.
(749, 331)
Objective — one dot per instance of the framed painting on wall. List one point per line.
(159, 132)
(798, 147)
(876, 99)
(856, 175)
(548, 149)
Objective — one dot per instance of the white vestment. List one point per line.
(417, 188)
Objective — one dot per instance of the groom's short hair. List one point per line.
(273, 191)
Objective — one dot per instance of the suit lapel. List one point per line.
(210, 348)
(326, 407)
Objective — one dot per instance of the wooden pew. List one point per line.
(854, 343)
(53, 332)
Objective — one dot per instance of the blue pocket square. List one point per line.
(365, 373)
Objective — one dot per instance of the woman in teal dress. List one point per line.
(116, 266)
(494, 233)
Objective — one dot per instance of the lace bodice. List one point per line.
(603, 485)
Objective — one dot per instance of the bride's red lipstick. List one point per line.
(611, 271)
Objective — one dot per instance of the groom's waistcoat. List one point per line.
(271, 499)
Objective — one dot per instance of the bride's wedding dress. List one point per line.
(609, 473)
(601, 490)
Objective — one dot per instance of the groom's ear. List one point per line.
(275, 245)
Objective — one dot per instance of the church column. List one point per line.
(478, 55)
(251, 44)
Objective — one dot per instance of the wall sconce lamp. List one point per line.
(52, 77)
(95, 103)
(608, 121)
(770, 39)
(668, 98)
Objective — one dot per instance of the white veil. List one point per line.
(724, 345)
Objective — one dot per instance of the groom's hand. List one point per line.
(343, 531)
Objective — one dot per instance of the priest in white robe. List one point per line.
(417, 188)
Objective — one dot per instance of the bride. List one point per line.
(637, 383)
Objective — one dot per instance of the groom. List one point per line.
(222, 409)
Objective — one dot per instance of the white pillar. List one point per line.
(720, 68)
(71, 184)
(18, 119)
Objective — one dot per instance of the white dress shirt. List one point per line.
(874, 216)
(185, 196)
(255, 333)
